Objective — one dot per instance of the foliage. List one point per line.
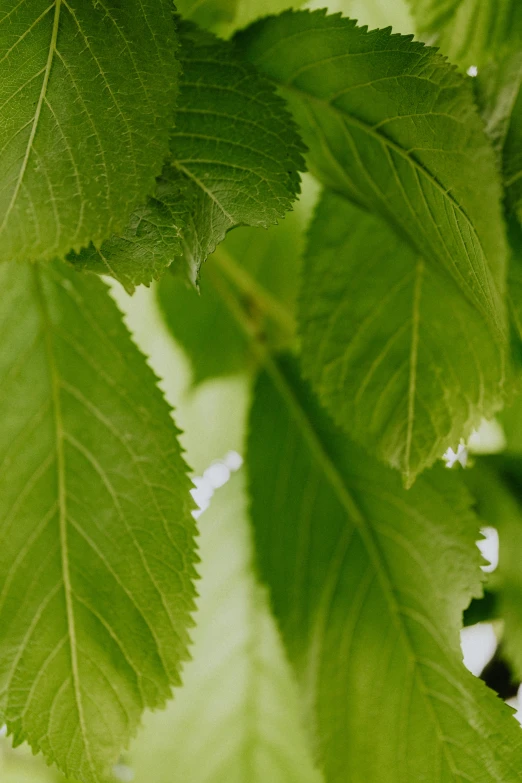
(340, 329)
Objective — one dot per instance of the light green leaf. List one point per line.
(235, 154)
(20, 766)
(96, 562)
(392, 126)
(211, 14)
(236, 719)
(264, 267)
(402, 360)
(87, 91)
(368, 582)
(470, 32)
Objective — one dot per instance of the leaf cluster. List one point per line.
(331, 215)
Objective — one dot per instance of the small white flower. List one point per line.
(451, 457)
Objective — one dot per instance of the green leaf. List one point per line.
(402, 360)
(470, 32)
(498, 88)
(368, 582)
(96, 563)
(236, 719)
(264, 267)
(392, 126)
(495, 484)
(211, 14)
(149, 244)
(513, 157)
(235, 154)
(87, 91)
(234, 143)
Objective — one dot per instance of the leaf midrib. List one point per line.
(337, 483)
(54, 378)
(419, 167)
(38, 111)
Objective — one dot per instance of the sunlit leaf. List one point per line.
(368, 582)
(96, 562)
(392, 126)
(400, 357)
(236, 719)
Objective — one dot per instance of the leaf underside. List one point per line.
(87, 91)
(96, 562)
(368, 582)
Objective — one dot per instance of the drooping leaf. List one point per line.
(235, 154)
(87, 91)
(234, 142)
(150, 243)
(392, 126)
(470, 32)
(368, 582)
(264, 267)
(96, 562)
(236, 719)
(402, 360)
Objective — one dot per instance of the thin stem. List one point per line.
(264, 300)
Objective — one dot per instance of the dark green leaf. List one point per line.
(235, 154)
(496, 485)
(87, 91)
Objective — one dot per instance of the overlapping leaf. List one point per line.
(96, 562)
(470, 32)
(402, 360)
(391, 125)
(263, 266)
(87, 94)
(236, 719)
(234, 159)
(369, 582)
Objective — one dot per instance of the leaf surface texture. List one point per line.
(235, 154)
(392, 126)
(368, 582)
(87, 91)
(404, 363)
(97, 548)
